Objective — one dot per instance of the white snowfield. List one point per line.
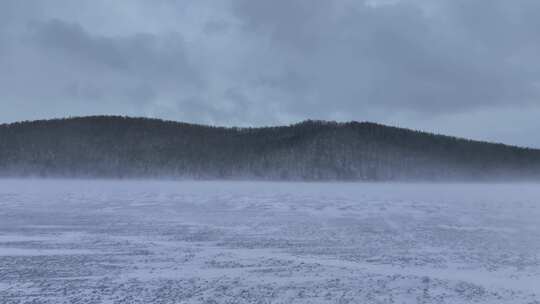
(240, 242)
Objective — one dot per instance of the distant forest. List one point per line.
(122, 147)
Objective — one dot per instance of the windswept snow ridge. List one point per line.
(238, 242)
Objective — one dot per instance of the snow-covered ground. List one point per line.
(238, 242)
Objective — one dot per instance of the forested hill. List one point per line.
(110, 146)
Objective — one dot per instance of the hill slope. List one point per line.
(111, 146)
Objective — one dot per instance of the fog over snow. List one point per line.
(464, 68)
(240, 242)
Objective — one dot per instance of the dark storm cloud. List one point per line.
(399, 56)
(56, 66)
(453, 66)
(142, 55)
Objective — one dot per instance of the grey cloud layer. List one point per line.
(413, 63)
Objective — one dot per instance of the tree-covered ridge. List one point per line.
(112, 146)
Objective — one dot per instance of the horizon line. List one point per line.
(308, 120)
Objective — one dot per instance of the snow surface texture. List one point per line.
(236, 242)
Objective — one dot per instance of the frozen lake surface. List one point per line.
(238, 242)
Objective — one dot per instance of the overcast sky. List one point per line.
(469, 68)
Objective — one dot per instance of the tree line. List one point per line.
(124, 147)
